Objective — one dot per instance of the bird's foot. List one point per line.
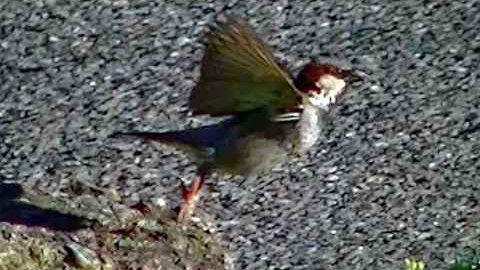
(190, 198)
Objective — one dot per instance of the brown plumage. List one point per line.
(271, 115)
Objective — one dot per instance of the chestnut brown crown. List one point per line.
(323, 83)
(308, 77)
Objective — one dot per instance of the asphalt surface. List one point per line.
(395, 176)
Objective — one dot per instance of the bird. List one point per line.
(271, 115)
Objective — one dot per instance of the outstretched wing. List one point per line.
(239, 74)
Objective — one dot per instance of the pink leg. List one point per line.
(190, 198)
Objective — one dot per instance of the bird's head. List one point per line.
(322, 83)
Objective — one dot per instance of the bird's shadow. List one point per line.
(14, 209)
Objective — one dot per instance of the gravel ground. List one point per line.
(395, 176)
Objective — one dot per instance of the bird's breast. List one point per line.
(308, 128)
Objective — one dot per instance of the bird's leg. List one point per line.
(191, 197)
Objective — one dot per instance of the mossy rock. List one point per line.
(31, 238)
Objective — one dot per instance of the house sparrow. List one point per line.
(271, 114)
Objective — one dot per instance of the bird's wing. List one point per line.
(239, 74)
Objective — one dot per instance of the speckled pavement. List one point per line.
(395, 176)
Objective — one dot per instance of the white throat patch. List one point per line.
(330, 87)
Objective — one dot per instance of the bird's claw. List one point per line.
(190, 198)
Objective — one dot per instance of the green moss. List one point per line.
(125, 240)
(29, 254)
(468, 261)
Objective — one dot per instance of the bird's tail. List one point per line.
(178, 139)
(206, 136)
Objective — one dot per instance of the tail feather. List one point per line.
(177, 139)
(200, 138)
(207, 136)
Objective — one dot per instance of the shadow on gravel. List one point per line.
(127, 240)
(15, 209)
